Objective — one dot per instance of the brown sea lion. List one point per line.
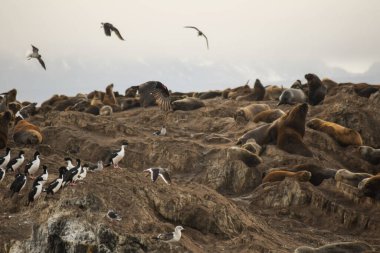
(292, 96)
(268, 116)
(98, 93)
(14, 107)
(365, 90)
(370, 187)
(187, 104)
(105, 110)
(258, 134)
(288, 131)
(239, 91)
(25, 132)
(338, 247)
(131, 92)
(273, 92)
(247, 113)
(280, 175)
(343, 135)
(317, 91)
(257, 94)
(109, 97)
(129, 103)
(329, 84)
(250, 159)
(208, 94)
(370, 154)
(96, 99)
(5, 118)
(350, 178)
(252, 146)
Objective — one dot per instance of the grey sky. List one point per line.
(277, 41)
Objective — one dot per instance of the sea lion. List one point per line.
(329, 84)
(109, 97)
(94, 110)
(370, 154)
(273, 92)
(258, 134)
(187, 104)
(257, 94)
(25, 132)
(10, 96)
(317, 91)
(250, 159)
(207, 94)
(288, 131)
(105, 110)
(274, 176)
(268, 116)
(131, 91)
(98, 93)
(344, 136)
(129, 103)
(5, 118)
(292, 96)
(350, 178)
(338, 247)
(14, 107)
(252, 146)
(96, 100)
(247, 113)
(365, 90)
(80, 106)
(239, 91)
(370, 187)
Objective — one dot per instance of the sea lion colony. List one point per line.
(285, 130)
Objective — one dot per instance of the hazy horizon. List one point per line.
(275, 41)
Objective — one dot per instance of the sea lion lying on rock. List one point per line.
(343, 135)
(273, 92)
(274, 176)
(257, 94)
(370, 154)
(258, 134)
(248, 113)
(250, 159)
(252, 146)
(339, 247)
(25, 132)
(370, 187)
(350, 178)
(268, 116)
(187, 104)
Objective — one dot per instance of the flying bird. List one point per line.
(200, 33)
(108, 28)
(155, 172)
(36, 55)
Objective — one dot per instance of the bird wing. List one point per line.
(18, 183)
(165, 176)
(42, 62)
(107, 29)
(206, 40)
(117, 32)
(35, 50)
(52, 185)
(11, 163)
(166, 236)
(161, 93)
(193, 27)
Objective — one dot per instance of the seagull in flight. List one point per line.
(155, 172)
(36, 55)
(108, 27)
(200, 33)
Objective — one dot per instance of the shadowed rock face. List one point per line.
(221, 203)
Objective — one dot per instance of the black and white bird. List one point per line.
(112, 215)
(117, 156)
(83, 173)
(35, 192)
(54, 186)
(171, 237)
(32, 167)
(160, 93)
(4, 160)
(72, 175)
(18, 184)
(200, 33)
(161, 132)
(16, 162)
(43, 177)
(37, 56)
(69, 162)
(155, 172)
(108, 28)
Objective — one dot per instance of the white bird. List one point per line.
(163, 173)
(160, 132)
(171, 237)
(5, 159)
(117, 156)
(36, 55)
(83, 173)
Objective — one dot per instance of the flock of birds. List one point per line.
(108, 29)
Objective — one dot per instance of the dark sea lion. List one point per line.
(5, 118)
(370, 187)
(131, 92)
(258, 134)
(257, 94)
(317, 91)
(187, 104)
(370, 154)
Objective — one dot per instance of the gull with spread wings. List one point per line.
(36, 55)
(108, 28)
(200, 33)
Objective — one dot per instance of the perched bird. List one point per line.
(112, 215)
(54, 186)
(117, 156)
(98, 167)
(16, 162)
(18, 184)
(108, 28)
(160, 132)
(83, 173)
(155, 172)
(36, 55)
(72, 175)
(43, 177)
(200, 33)
(5, 159)
(69, 162)
(160, 93)
(32, 167)
(171, 237)
(35, 192)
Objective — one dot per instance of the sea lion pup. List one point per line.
(252, 146)
(257, 94)
(5, 118)
(370, 154)
(370, 187)
(338, 247)
(288, 131)
(292, 96)
(247, 113)
(131, 92)
(105, 110)
(250, 159)
(109, 97)
(344, 136)
(274, 176)
(268, 116)
(273, 92)
(187, 104)
(317, 91)
(350, 178)
(258, 134)
(25, 132)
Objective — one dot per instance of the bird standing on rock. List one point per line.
(108, 28)
(160, 132)
(15, 163)
(18, 184)
(171, 237)
(35, 192)
(43, 177)
(54, 186)
(117, 156)
(5, 159)
(72, 175)
(200, 33)
(32, 167)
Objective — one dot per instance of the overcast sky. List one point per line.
(277, 41)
